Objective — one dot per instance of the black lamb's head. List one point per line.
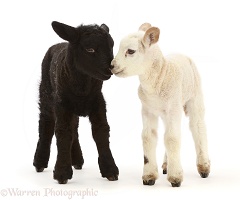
(90, 48)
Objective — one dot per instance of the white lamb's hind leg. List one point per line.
(164, 165)
(172, 140)
(195, 111)
(149, 138)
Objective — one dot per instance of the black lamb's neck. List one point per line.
(79, 83)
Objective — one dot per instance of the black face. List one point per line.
(94, 54)
(91, 48)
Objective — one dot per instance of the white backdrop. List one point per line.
(207, 31)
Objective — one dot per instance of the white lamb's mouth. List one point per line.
(119, 72)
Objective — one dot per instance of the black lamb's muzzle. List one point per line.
(106, 78)
(107, 74)
(102, 75)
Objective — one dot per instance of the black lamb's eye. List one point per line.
(130, 51)
(90, 50)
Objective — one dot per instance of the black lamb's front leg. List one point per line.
(100, 131)
(64, 134)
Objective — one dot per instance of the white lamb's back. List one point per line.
(184, 68)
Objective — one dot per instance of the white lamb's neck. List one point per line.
(152, 79)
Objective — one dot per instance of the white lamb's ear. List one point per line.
(144, 27)
(151, 36)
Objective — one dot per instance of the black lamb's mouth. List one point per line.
(101, 76)
(109, 72)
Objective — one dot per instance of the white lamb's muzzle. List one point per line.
(116, 69)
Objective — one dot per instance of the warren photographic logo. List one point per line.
(49, 192)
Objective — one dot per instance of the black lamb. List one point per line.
(72, 76)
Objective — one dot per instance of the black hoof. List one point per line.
(204, 175)
(149, 182)
(62, 175)
(113, 178)
(62, 181)
(164, 171)
(77, 166)
(176, 184)
(39, 169)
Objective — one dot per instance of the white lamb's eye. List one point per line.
(90, 50)
(130, 51)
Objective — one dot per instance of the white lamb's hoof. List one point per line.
(149, 182)
(204, 170)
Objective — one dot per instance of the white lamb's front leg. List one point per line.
(149, 138)
(172, 140)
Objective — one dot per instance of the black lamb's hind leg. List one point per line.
(100, 131)
(46, 118)
(46, 131)
(77, 157)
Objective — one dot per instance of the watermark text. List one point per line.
(49, 192)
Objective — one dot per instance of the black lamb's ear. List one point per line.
(105, 27)
(64, 31)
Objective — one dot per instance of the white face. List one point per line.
(136, 52)
(129, 60)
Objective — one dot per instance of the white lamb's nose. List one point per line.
(113, 63)
(111, 67)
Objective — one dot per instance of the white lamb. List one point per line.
(168, 85)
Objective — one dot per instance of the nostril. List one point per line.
(111, 66)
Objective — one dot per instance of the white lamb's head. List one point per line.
(136, 52)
